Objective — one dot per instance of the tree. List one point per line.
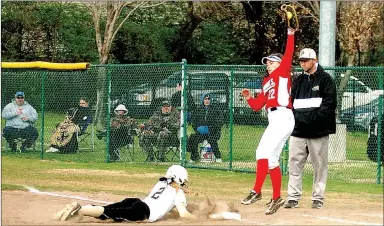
(198, 12)
(50, 31)
(109, 14)
(355, 32)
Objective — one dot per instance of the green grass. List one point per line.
(136, 179)
(357, 168)
(357, 146)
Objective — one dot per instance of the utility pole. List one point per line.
(327, 34)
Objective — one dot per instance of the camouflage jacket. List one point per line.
(122, 121)
(159, 121)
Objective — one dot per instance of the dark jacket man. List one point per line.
(314, 102)
(207, 120)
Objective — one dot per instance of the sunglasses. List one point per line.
(19, 97)
(207, 98)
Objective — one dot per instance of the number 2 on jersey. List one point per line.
(157, 194)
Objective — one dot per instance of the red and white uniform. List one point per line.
(276, 98)
(277, 86)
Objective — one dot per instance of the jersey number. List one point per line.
(157, 194)
(271, 94)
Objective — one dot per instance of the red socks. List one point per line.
(275, 175)
(261, 174)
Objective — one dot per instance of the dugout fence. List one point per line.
(142, 87)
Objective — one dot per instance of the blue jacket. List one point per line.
(14, 120)
(210, 116)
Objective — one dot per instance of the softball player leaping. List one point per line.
(275, 97)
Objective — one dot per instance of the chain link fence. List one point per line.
(145, 89)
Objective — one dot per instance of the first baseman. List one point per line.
(275, 96)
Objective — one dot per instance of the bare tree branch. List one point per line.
(126, 17)
(148, 6)
(308, 11)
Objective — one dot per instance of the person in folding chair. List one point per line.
(161, 131)
(207, 121)
(64, 138)
(122, 130)
(20, 116)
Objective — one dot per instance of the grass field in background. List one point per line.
(245, 139)
(114, 178)
(357, 167)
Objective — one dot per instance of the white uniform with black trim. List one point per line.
(162, 199)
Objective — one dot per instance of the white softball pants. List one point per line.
(280, 126)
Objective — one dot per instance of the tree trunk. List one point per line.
(254, 13)
(344, 83)
(185, 34)
(101, 96)
(101, 109)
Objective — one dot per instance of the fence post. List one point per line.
(231, 119)
(108, 111)
(44, 77)
(183, 113)
(379, 125)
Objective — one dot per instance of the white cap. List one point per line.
(121, 107)
(272, 58)
(307, 53)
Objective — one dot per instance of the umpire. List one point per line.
(314, 103)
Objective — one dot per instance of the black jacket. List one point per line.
(81, 116)
(211, 117)
(314, 101)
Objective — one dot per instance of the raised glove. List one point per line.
(203, 130)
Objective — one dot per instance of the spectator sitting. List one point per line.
(122, 130)
(77, 120)
(20, 116)
(161, 130)
(207, 121)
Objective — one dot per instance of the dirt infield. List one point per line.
(26, 208)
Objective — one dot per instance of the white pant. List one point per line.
(281, 124)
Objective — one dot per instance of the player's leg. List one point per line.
(131, 209)
(91, 211)
(318, 150)
(68, 211)
(298, 154)
(283, 124)
(262, 155)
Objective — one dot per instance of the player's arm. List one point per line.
(183, 212)
(255, 103)
(181, 205)
(286, 62)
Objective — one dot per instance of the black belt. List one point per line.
(275, 108)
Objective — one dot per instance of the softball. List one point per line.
(289, 15)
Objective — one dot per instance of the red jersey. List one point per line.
(276, 89)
